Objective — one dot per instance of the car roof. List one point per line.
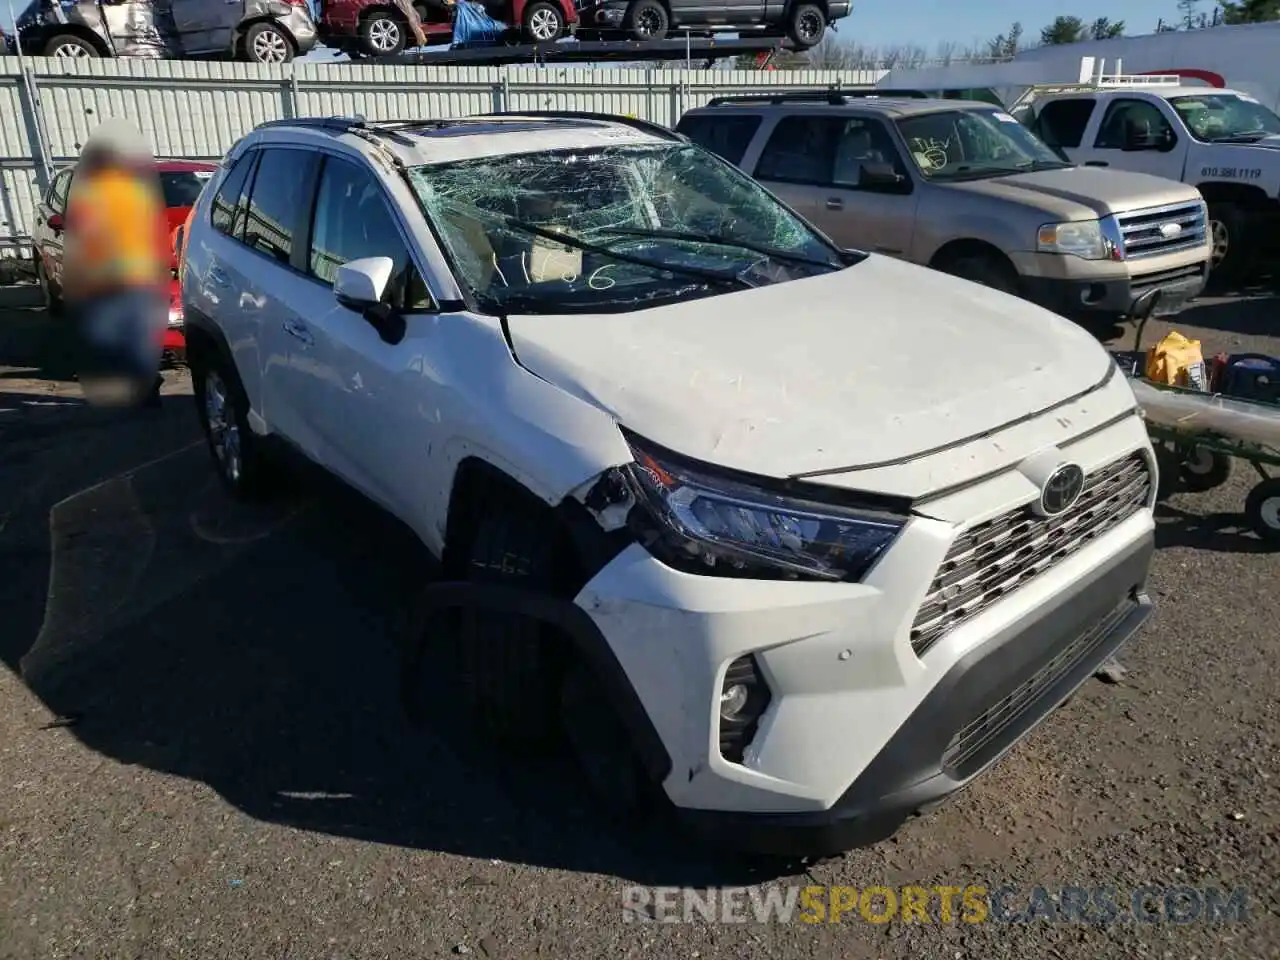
(1159, 89)
(426, 142)
(895, 107)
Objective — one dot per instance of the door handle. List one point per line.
(299, 332)
(835, 203)
(216, 276)
(1096, 163)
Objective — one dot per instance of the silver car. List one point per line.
(260, 31)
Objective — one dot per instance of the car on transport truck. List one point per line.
(704, 485)
(960, 186)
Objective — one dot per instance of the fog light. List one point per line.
(744, 697)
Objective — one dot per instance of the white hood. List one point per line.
(880, 362)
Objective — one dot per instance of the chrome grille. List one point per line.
(995, 558)
(1141, 230)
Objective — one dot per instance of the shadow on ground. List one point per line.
(1253, 312)
(253, 649)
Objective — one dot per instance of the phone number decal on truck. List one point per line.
(1232, 173)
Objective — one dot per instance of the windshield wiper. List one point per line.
(1242, 137)
(695, 237)
(709, 276)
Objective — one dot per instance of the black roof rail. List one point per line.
(645, 126)
(834, 96)
(337, 124)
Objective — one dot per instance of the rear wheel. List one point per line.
(267, 43)
(543, 22)
(807, 25)
(646, 20)
(1262, 509)
(382, 35)
(49, 291)
(70, 46)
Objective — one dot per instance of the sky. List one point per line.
(927, 23)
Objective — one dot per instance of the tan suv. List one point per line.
(964, 188)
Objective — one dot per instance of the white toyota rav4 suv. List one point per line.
(793, 540)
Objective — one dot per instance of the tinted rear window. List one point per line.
(182, 188)
(727, 136)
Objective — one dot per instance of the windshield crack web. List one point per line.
(618, 208)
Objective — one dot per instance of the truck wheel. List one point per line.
(70, 46)
(506, 671)
(1262, 509)
(48, 290)
(382, 35)
(1203, 469)
(985, 270)
(267, 43)
(1232, 255)
(543, 22)
(238, 456)
(807, 25)
(646, 20)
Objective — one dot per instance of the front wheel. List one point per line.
(807, 25)
(70, 47)
(1262, 509)
(543, 22)
(1231, 256)
(238, 458)
(382, 35)
(267, 43)
(987, 271)
(1203, 469)
(646, 20)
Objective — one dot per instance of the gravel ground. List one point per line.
(201, 754)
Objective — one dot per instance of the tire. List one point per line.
(1262, 509)
(383, 34)
(267, 43)
(1202, 469)
(71, 47)
(543, 22)
(602, 748)
(807, 25)
(646, 20)
(1233, 255)
(238, 456)
(984, 270)
(53, 304)
(507, 675)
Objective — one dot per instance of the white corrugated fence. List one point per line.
(196, 110)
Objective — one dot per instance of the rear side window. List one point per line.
(802, 150)
(277, 201)
(232, 195)
(727, 136)
(1061, 123)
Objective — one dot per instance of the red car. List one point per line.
(180, 180)
(380, 28)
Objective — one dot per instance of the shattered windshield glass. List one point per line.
(612, 228)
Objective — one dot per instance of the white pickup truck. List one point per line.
(1224, 142)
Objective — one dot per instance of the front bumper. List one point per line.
(987, 702)
(1086, 296)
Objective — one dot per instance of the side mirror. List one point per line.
(882, 177)
(360, 286)
(56, 222)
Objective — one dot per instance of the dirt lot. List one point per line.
(201, 754)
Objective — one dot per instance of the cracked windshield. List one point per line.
(955, 145)
(1223, 118)
(612, 228)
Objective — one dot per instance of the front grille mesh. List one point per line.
(993, 559)
(1141, 229)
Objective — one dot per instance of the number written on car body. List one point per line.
(1232, 173)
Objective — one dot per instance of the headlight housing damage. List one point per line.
(695, 520)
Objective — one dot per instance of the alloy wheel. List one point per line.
(1221, 242)
(73, 51)
(810, 25)
(224, 430)
(384, 35)
(649, 22)
(544, 24)
(270, 47)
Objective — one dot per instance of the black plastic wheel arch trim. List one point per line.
(572, 621)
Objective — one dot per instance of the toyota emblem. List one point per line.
(1061, 490)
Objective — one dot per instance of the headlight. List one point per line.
(1081, 238)
(695, 520)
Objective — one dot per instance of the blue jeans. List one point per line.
(119, 334)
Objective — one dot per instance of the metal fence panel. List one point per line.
(197, 109)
